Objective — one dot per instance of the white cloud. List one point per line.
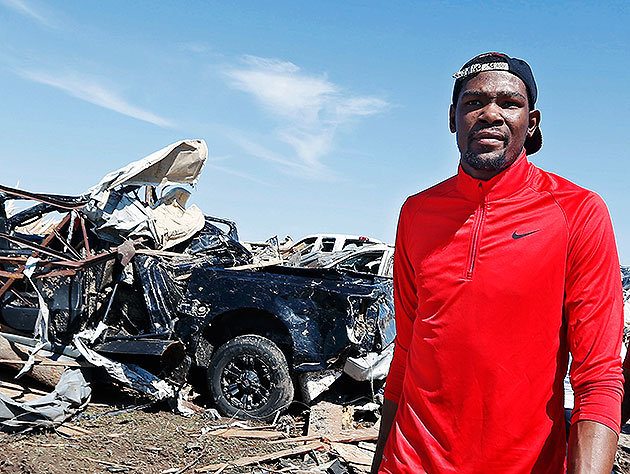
(95, 93)
(238, 174)
(309, 109)
(23, 8)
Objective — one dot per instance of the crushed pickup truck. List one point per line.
(131, 279)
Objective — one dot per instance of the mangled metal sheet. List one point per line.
(373, 366)
(119, 211)
(70, 396)
(129, 375)
(42, 322)
(178, 163)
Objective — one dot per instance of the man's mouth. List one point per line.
(488, 138)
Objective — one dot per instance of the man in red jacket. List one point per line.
(500, 272)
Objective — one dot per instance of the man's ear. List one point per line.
(451, 118)
(534, 122)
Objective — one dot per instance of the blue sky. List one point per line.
(319, 116)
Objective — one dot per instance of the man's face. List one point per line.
(492, 120)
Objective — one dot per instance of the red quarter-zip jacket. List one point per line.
(495, 282)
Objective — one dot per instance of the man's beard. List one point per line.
(496, 162)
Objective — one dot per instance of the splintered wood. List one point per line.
(246, 433)
(16, 353)
(329, 431)
(249, 460)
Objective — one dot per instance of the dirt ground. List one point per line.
(622, 460)
(140, 441)
(151, 442)
(105, 439)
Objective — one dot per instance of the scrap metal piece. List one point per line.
(130, 375)
(43, 319)
(373, 366)
(171, 352)
(313, 384)
(56, 200)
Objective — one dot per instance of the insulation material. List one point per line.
(174, 223)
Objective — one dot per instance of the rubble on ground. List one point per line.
(326, 438)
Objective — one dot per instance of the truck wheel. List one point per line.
(248, 378)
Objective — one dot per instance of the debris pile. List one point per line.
(131, 280)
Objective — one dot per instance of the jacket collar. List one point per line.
(506, 183)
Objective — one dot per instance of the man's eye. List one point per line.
(510, 104)
(473, 103)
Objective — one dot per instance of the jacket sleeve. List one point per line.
(405, 302)
(594, 311)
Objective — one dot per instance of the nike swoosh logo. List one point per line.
(516, 235)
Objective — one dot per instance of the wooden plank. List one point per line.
(245, 433)
(15, 259)
(346, 436)
(86, 242)
(50, 363)
(353, 454)
(86, 262)
(70, 429)
(14, 386)
(11, 275)
(13, 351)
(57, 273)
(249, 460)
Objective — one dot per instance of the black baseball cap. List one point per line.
(502, 62)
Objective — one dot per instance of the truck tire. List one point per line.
(248, 378)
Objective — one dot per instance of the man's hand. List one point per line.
(592, 448)
(387, 419)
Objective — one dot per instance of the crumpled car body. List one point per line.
(130, 275)
(326, 315)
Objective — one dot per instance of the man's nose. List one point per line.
(491, 114)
